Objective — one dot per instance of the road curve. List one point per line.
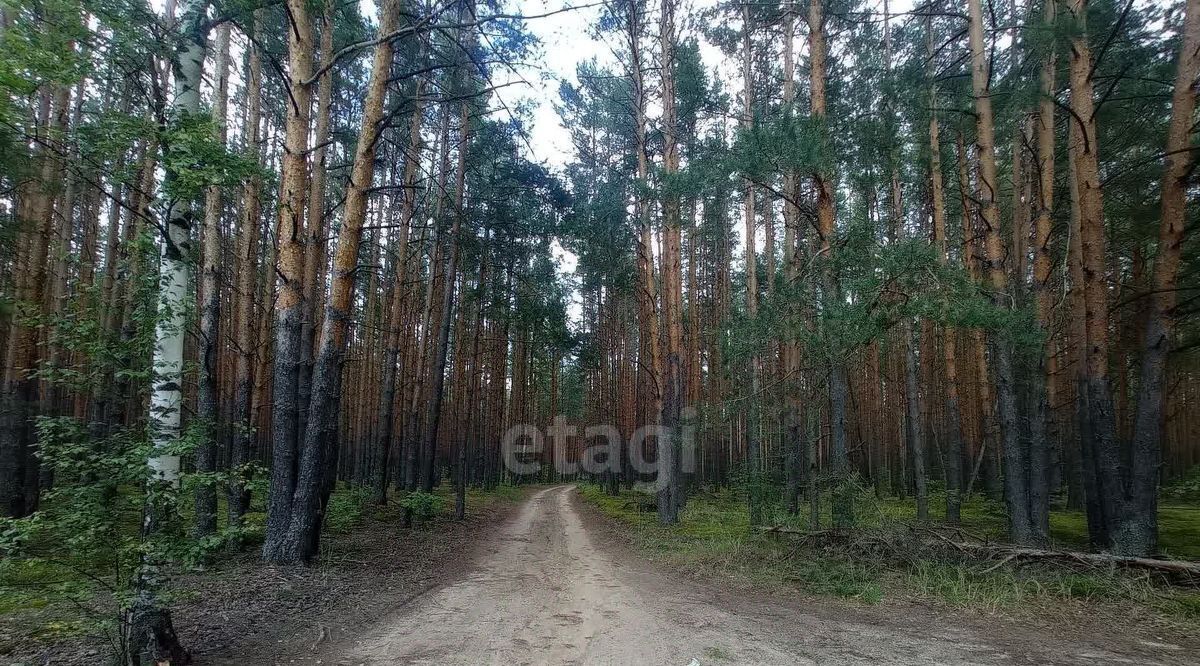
(544, 593)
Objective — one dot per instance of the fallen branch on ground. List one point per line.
(1178, 567)
(1188, 571)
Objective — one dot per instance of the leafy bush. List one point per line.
(346, 509)
(423, 506)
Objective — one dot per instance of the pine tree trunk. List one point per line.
(1104, 447)
(1017, 492)
(650, 402)
(247, 257)
(433, 406)
(420, 465)
(279, 546)
(1138, 534)
(954, 430)
(463, 471)
(914, 429)
(20, 401)
(1043, 379)
(753, 455)
(792, 240)
(839, 456)
(387, 399)
(207, 407)
(1097, 525)
(672, 311)
(320, 437)
(315, 230)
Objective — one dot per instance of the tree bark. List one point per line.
(320, 440)
(792, 240)
(279, 546)
(387, 399)
(1043, 379)
(839, 456)
(21, 398)
(152, 638)
(954, 430)
(247, 258)
(207, 405)
(315, 257)
(1138, 534)
(650, 388)
(1017, 492)
(1104, 447)
(753, 455)
(672, 311)
(433, 405)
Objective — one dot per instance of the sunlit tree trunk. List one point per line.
(320, 436)
(279, 546)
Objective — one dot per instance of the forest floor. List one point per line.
(241, 611)
(569, 575)
(562, 583)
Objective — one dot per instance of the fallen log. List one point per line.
(780, 529)
(1009, 553)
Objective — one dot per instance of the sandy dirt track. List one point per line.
(544, 592)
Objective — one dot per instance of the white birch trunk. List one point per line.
(166, 396)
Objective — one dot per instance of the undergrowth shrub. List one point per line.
(424, 506)
(346, 509)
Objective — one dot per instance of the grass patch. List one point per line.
(713, 540)
(1178, 522)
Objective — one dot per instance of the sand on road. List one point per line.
(543, 591)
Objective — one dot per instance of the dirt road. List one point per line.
(548, 592)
